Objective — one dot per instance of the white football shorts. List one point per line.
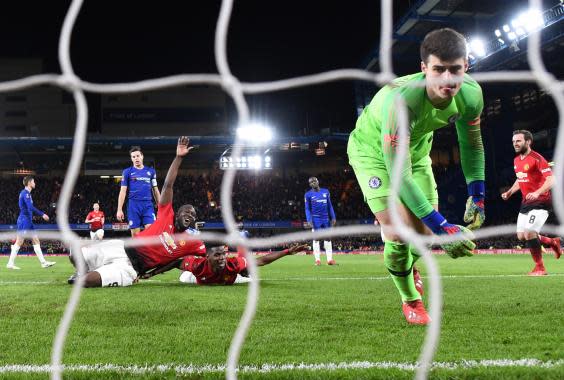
(532, 221)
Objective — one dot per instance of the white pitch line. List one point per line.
(267, 368)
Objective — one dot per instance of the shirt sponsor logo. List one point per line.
(375, 182)
(144, 179)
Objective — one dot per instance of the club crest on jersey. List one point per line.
(148, 173)
(453, 118)
(182, 243)
(526, 167)
(375, 182)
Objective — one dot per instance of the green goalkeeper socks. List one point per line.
(399, 261)
(414, 253)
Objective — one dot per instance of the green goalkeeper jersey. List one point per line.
(376, 135)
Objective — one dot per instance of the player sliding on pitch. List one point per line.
(111, 264)
(373, 145)
(219, 269)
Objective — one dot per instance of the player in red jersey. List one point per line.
(534, 179)
(96, 220)
(219, 269)
(111, 264)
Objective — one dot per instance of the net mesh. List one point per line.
(237, 90)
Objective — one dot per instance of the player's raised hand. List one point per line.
(182, 148)
(297, 248)
(45, 217)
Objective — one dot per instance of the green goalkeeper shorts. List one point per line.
(375, 183)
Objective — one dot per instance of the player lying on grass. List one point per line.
(373, 147)
(219, 269)
(111, 264)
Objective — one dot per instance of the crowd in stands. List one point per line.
(47, 246)
(266, 197)
(255, 197)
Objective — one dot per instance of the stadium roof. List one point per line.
(469, 17)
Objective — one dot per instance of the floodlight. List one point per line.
(506, 28)
(531, 19)
(520, 31)
(477, 47)
(255, 133)
(501, 40)
(511, 35)
(497, 33)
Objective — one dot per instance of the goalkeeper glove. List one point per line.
(438, 224)
(475, 213)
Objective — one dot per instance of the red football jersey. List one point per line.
(97, 216)
(531, 172)
(170, 247)
(201, 269)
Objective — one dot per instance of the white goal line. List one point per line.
(268, 368)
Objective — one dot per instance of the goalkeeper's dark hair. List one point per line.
(446, 44)
(27, 179)
(136, 148)
(526, 134)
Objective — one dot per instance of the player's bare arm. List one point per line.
(273, 256)
(546, 186)
(512, 190)
(156, 194)
(177, 264)
(182, 150)
(121, 201)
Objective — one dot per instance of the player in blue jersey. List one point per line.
(318, 209)
(26, 227)
(142, 184)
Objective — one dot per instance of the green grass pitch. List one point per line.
(306, 314)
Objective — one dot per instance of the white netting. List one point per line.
(236, 89)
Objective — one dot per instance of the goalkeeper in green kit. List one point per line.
(373, 146)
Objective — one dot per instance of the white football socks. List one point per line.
(316, 250)
(13, 254)
(39, 253)
(328, 249)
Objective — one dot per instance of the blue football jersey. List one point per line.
(139, 183)
(26, 206)
(318, 205)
